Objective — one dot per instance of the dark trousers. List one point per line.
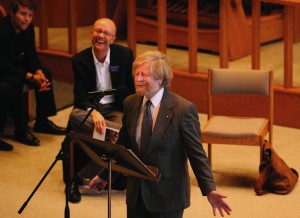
(45, 102)
(140, 211)
(17, 108)
(6, 99)
(75, 123)
(83, 166)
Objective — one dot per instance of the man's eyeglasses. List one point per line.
(99, 31)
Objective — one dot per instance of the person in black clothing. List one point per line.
(4, 146)
(19, 62)
(6, 96)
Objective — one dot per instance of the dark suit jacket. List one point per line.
(17, 51)
(175, 138)
(121, 59)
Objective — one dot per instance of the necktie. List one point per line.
(146, 128)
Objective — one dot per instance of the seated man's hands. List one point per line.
(98, 121)
(41, 81)
(97, 184)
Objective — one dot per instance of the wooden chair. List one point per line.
(230, 91)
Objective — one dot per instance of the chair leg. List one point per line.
(30, 105)
(261, 151)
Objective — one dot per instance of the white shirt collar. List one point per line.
(107, 59)
(156, 99)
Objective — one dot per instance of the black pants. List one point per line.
(45, 102)
(6, 99)
(18, 105)
(82, 162)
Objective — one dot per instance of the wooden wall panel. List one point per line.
(59, 63)
(287, 107)
(192, 87)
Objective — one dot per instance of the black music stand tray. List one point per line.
(115, 157)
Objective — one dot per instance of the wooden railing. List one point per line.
(192, 31)
(288, 32)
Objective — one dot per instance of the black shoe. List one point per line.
(4, 146)
(49, 127)
(74, 194)
(28, 138)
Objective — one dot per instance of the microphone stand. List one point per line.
(64, 155)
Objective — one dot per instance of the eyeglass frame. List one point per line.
(105, 33)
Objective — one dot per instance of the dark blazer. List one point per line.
(175, 138)
(121, 59)
(17, 51)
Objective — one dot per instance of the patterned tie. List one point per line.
(146, 128)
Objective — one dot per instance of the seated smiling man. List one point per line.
(102, 66)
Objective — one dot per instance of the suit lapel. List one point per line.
(90, 64)
(114, 67)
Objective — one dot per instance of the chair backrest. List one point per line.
(225, 81)
(235, 92)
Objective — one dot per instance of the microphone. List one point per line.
(101, 93)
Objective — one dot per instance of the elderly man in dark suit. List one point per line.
(174, 137)
(103, 66)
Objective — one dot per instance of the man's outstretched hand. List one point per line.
(217, 202)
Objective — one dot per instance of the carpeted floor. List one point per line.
(235, 169)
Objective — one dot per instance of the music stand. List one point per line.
(63, 154)
(117, 158)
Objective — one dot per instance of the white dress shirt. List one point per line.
(103, 77)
